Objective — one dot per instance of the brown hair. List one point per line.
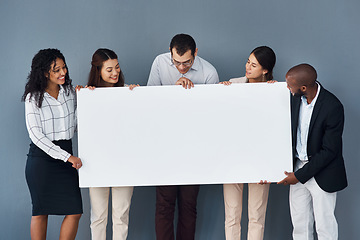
(98, 59)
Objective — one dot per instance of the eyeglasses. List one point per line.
(186, 64)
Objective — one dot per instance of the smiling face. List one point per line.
(183, 63)
(254, 71)
(57, 73)
(110, 71)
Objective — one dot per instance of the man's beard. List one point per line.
(298, 93)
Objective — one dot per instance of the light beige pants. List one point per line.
(257, 202)
(121, 200)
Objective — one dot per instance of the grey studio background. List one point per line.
(323, 33)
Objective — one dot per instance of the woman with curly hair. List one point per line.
(51, 169)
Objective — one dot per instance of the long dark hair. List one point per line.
(40, 68)
(267, 59)
(98, 59)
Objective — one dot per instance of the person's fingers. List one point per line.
(78, 165)
(282, 181)
(188, 84)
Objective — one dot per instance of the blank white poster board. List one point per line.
(168, 135)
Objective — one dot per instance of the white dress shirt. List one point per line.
(55, 120)
(305, 114)
(164, 72)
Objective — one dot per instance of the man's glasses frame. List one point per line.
(186, 64)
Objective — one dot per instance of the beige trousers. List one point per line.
(99, 199)
(257, 202)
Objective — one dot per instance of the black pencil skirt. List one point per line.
(53, 183)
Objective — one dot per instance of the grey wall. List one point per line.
(323, 33)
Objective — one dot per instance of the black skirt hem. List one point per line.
(55, 213)
(53, 183)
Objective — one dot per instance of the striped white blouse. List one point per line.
(55, 120)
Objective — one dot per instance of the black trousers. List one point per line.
(166, 196)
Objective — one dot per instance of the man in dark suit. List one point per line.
(317, 118)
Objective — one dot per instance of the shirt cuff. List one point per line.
(66, 157)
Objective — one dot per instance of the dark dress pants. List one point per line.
(165, 208)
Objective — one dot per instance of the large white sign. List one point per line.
(169, 135)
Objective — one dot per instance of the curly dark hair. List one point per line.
(99, 57)
(40, 67)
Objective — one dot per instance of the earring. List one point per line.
(263, 78)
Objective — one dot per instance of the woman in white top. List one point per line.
(105, 72)
(51, 169)
(259, 68)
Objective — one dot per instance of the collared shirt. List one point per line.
(55, 120)
(305, 114)
(164, 72)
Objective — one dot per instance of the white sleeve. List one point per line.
(34, 127)
(213, 77)
(154, 77)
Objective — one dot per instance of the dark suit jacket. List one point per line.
(324, 146)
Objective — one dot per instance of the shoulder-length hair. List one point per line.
(38, 76)
(98, 59)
